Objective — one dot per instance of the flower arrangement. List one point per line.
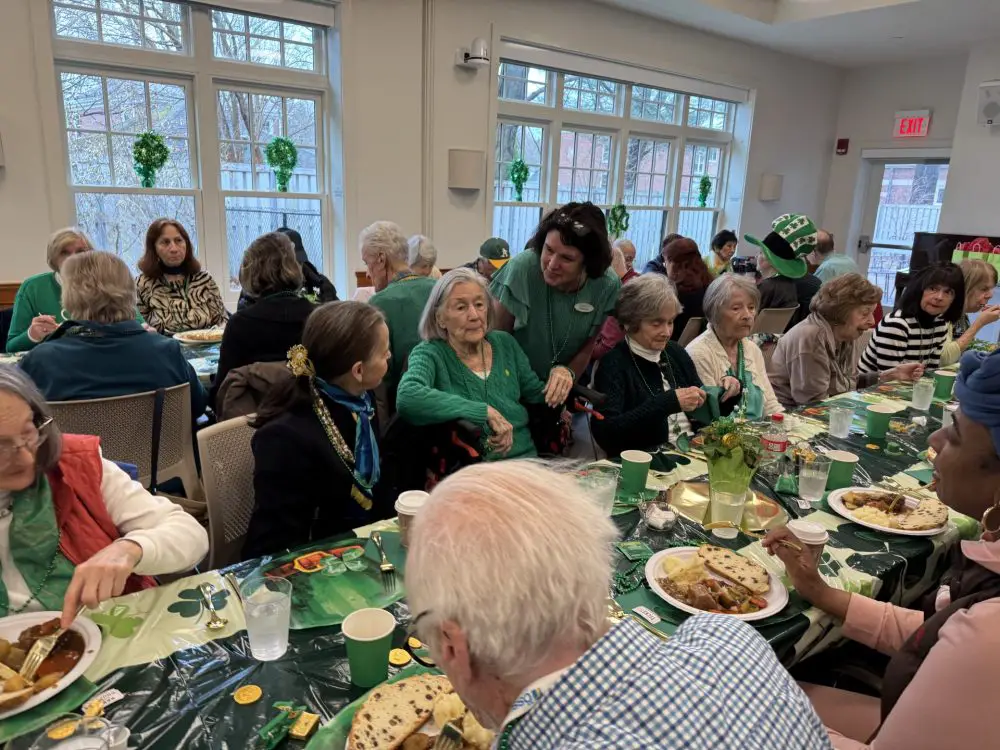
(149, 154)
(733, 451)
(282, 156)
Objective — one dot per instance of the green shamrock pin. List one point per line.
(118, 622)
(190, 603)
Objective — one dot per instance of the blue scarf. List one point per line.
(366, 461)
(978, 391)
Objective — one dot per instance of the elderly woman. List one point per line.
(916, 330)
(507, 578)
(652, 387)
(555, 297)
(980, 283)
(466, 370)
(74, 528)
(690, 277)
(946, 658)
(103, 351)
(316, 451)
(723, 249)
(628, 255)
(423, 256)
(265, 330)
(729, 364)
(818, 358)
(37, 306)
(175, 295)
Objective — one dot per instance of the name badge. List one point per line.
(584, 307)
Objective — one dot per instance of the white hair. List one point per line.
(518, 556)
(429, 327)
(384, 237)
(721, 290)
(422, 253)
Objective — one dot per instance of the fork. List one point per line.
(387, 568)
(450, 738)
(617, 613)
(40, 651)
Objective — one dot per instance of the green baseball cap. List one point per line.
(496, 251)
(792, 237)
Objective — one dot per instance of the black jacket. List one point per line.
(261, 332)
(693, 304)
(656, 265)
(634, 417)
(302, 489)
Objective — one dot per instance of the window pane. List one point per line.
(127, 105)
(121, 30)
(522, 83)
(230, 46)
(248, 217)
(525, 141)
(163, 10)
(298, 33)
(121, 154)
(176, 173)
(650, 103)
(515, 224)
(168, 105)
(153, 24)
(83, 101)
(234, 115)
(76, 24)
(266, 117)
(590, 94)
(163, 36)
(301, 121)
(265, 51)
(117, 222)
(89, 162)
(229, 21)
(122, 6)
(265, 27)
(585, 162)
(699, 226)
(299, 56)
(264, 41)
(700, 160)
(712, 114)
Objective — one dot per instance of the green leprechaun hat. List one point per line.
(793, 237)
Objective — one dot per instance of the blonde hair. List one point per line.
(60, 240)
(98, 286)
(387, 238)
(269, 266)
(978, 274)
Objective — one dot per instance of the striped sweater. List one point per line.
(898, 340)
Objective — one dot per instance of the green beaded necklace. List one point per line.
(5, 601)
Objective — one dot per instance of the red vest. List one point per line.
(84, 523)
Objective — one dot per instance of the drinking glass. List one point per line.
(602, 486)
(923, 394)
(812, 478)
(841, 418)
(267, 606)
(727, 505)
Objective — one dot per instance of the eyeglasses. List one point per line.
(411, 630)
(32, 441)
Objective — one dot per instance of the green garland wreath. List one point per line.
(517, 173)
(618, 220)
(149, 154)
(704, 190)
(282, 156)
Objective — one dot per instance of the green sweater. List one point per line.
(402, 303)
(437, 387)
(38, 295)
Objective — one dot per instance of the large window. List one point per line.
(224, 201)
(585, 138)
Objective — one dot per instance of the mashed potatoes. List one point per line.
(869, 514)
(684, 572)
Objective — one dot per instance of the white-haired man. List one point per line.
(423, 257)
(507, 578)
(399, 293)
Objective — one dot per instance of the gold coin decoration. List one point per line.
(93, 708)
(248, 694)
(872, 447)
(399, 657)
(62, 730)
(414, 643)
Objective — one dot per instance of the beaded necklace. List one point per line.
(5, 601)
(665, 367)
(569, 324)
(362, 489)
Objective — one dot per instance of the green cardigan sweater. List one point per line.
(437, 387)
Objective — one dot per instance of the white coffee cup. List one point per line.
(811, 534)
(408, 504)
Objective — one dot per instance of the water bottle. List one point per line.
(774, 443)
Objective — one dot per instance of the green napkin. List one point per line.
(924, 476)
(41, 715)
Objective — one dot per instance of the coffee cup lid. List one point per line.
(808, 532)
(411, 501)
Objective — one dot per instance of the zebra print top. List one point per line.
(177, 306)
(898, 340)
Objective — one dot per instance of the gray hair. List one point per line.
(422, 253)
(385, 237)
(60, 240)
(721, 290)
(519, 556)
(98, 286)
(15, 382)
(643, 298)
(429, 328)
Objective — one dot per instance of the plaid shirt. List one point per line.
(715, 685)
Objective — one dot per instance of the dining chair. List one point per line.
(691, 331)
(773, 319)
(227, 465)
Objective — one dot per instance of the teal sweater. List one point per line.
(402, 303)
(38, 295)
(437, 387)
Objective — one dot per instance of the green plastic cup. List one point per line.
(368, 638)
(841, 469)
(944, 384)
(635, 471)
(878, 417)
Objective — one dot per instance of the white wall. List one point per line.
(971, 202)
(871, 96)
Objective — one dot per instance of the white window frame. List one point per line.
(203, 74)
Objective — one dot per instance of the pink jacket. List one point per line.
(951, 704)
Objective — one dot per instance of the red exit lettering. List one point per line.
(912, 127)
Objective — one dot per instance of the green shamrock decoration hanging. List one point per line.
(517, 173)
(618, 220)
(282, 156)
(704, 190)
(149, 154)
(190, 603)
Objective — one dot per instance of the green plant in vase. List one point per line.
(733, 451)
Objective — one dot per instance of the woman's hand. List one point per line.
(690, 398)
(101, 577)
(732, 387)
(561, 380)
(908, 371)
(41, 326)
(802, 568)
(501, 431)
(989, 314)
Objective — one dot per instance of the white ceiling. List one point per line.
(847, 33)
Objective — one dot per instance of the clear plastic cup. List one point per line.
(923, 394)
(602, 486)
(813, 476)
(726, 505)
(841, 418)
(267, 607)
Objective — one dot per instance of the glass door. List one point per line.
(903, 198)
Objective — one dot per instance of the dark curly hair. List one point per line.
(150, 265)
(936, 274)
(580, 225)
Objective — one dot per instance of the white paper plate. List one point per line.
(186, 337)
(11, 627)
(836, 501)
(776, 598)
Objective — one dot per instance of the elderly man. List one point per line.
(507, 576)
(628, 252)
(423, 257)
(829, 264)
(399, 293)
(493, 255)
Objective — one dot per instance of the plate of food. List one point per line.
(891, 512)
(409, 714)
(73, 654)
(715, 579)
(200, 336)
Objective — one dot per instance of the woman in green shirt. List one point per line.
(555, 295)
(465, 370)
(37, 306)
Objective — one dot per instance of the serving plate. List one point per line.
(836, 501)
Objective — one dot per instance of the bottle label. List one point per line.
(775, 444)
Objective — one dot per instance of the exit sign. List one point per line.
(912, 124)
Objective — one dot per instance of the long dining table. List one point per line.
(177, 678)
